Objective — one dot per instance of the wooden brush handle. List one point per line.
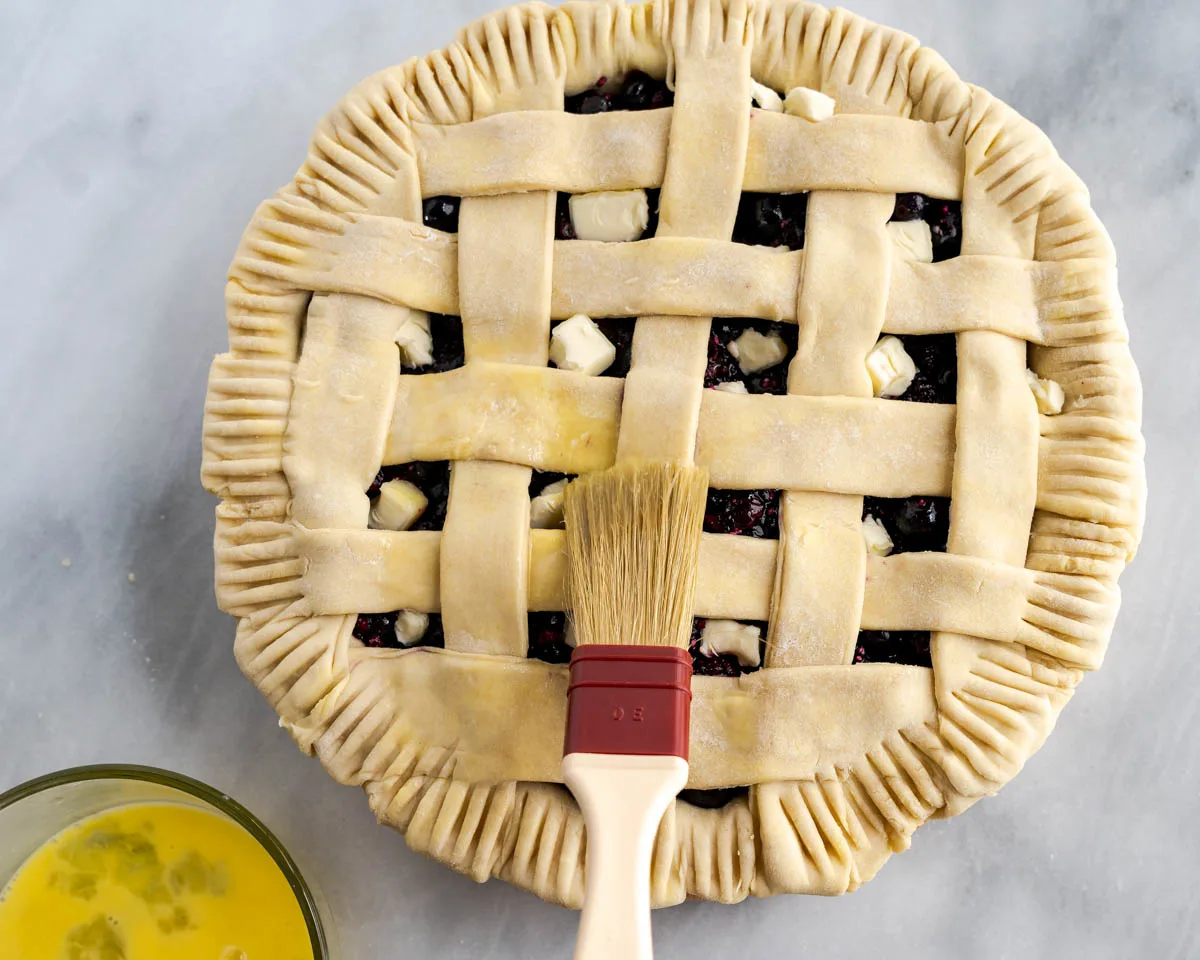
(623, 799)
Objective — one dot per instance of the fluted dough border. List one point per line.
(829, 827)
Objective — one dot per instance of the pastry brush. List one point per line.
(633, 543)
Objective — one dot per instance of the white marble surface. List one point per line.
(138, 138)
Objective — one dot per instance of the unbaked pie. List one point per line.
(781, 241)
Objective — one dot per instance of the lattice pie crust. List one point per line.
(460, 748)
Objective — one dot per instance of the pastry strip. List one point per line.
(1057, 303)
(375, 571)
(765, 726)
(513, 153)
(699, 198)
(820, 575)
(504, 266)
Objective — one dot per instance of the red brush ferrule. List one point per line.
(629, 700)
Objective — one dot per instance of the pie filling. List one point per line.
(712, 799)
(744, 356)
(441, 213)
(745, 513)
(724, 368)
(431, 477)
(548, 637)
(379, 630)
(637, 91)
(771, 220)
(943, 216)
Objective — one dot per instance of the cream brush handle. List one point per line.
(623, 799)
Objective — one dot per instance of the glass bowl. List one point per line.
(36, 811)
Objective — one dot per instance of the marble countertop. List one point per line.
(139, 138)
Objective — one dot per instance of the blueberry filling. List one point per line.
(638, 91)
(746, 513)
(722, 664)
(432, 478)
(723, 367)
(893, 646)
(564, 229)
(945, 225)
(620, 335)
(541, 479)
(379, 630)
(943, 216)
(909, 206)
(913, 523)
(652, 196)
(771, 219)
(713, 799)
(448, 352)
(441, 213)
(936, 359)
(547, 637)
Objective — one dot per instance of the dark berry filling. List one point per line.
(909, 206)
(547, 637)
(379, 630)
(713, 799)
(771, 219)
(893, 646)
(590, 101)
(652, 196)
(641, 91)
(723, 664)
(638, 91)
(620, 334)
(723, 366)
(432, 478)
(564, 229)
(913, 523)
(936, 359)
(945, 224)
(943, 216)
(448, 353)
(541, 479)
(747, 513)
(441, 213)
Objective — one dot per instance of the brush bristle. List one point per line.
(633, 544)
